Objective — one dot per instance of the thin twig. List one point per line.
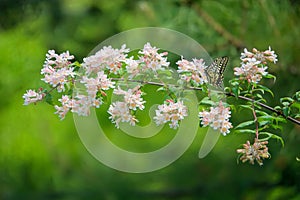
(266, 107)
(227, 94)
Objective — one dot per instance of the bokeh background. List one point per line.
(42, 157)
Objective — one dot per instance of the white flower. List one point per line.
(132, 97)
(170, 112)
(120, 112)
(192, 72)
(132, 66)
(81, 104)
(270, 55)
(32, 96)
(261, 57)
(57, 69)
(97, 84)
(106, 58)
(151, 59)
(217, 118)
(251, 71)
(55, 61)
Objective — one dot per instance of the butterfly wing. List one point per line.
(216, 70)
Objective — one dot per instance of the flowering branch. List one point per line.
(82, 86)
(230, 94)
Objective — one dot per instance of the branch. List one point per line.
(266, 107)
(227, 94)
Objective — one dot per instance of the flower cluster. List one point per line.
(106, 58)
(254, 64)
(170, 112)
(256, 152)
(95, 85)
(79, 104)
(192, 72)
(267, 55)
(217, 118)
(57, 69)
(82, 101)
(121, 111)
(31, 96)
(149, 59)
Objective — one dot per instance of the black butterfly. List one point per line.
(215, 71)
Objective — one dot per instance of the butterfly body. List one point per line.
(215, 71)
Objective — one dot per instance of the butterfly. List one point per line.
(215, 71)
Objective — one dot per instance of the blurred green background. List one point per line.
(42, 157)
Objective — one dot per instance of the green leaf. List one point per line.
(244, 124)
(286, 99)
(278, 108)
(286, 111)
(297, 116)
(262, 113)
(269, 76)
(245, 131)
(49, 99)
(297, 96)
(207, 101)
(275, 126)
(261, 99)
(286, 104)
(161, 89)
(236, 91)
(271, 135)
(259, 90)
(257, 106)
(265, 118)
(246, 106)
(279, 119)
(264, 88)
(263, 123)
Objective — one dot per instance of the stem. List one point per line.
(266, 107)
(255, 119)
(155, 83)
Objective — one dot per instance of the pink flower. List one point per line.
(262, 57)
(32, 96)
(151, 59)
(120, 112)
(251, 71)
(57, 70)
(192, 72)
(132, 66)
(254, 64)
(106, 58)
(217, 118)
(96, 84)
(55, 61)
(171, 112)
(132, 97)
